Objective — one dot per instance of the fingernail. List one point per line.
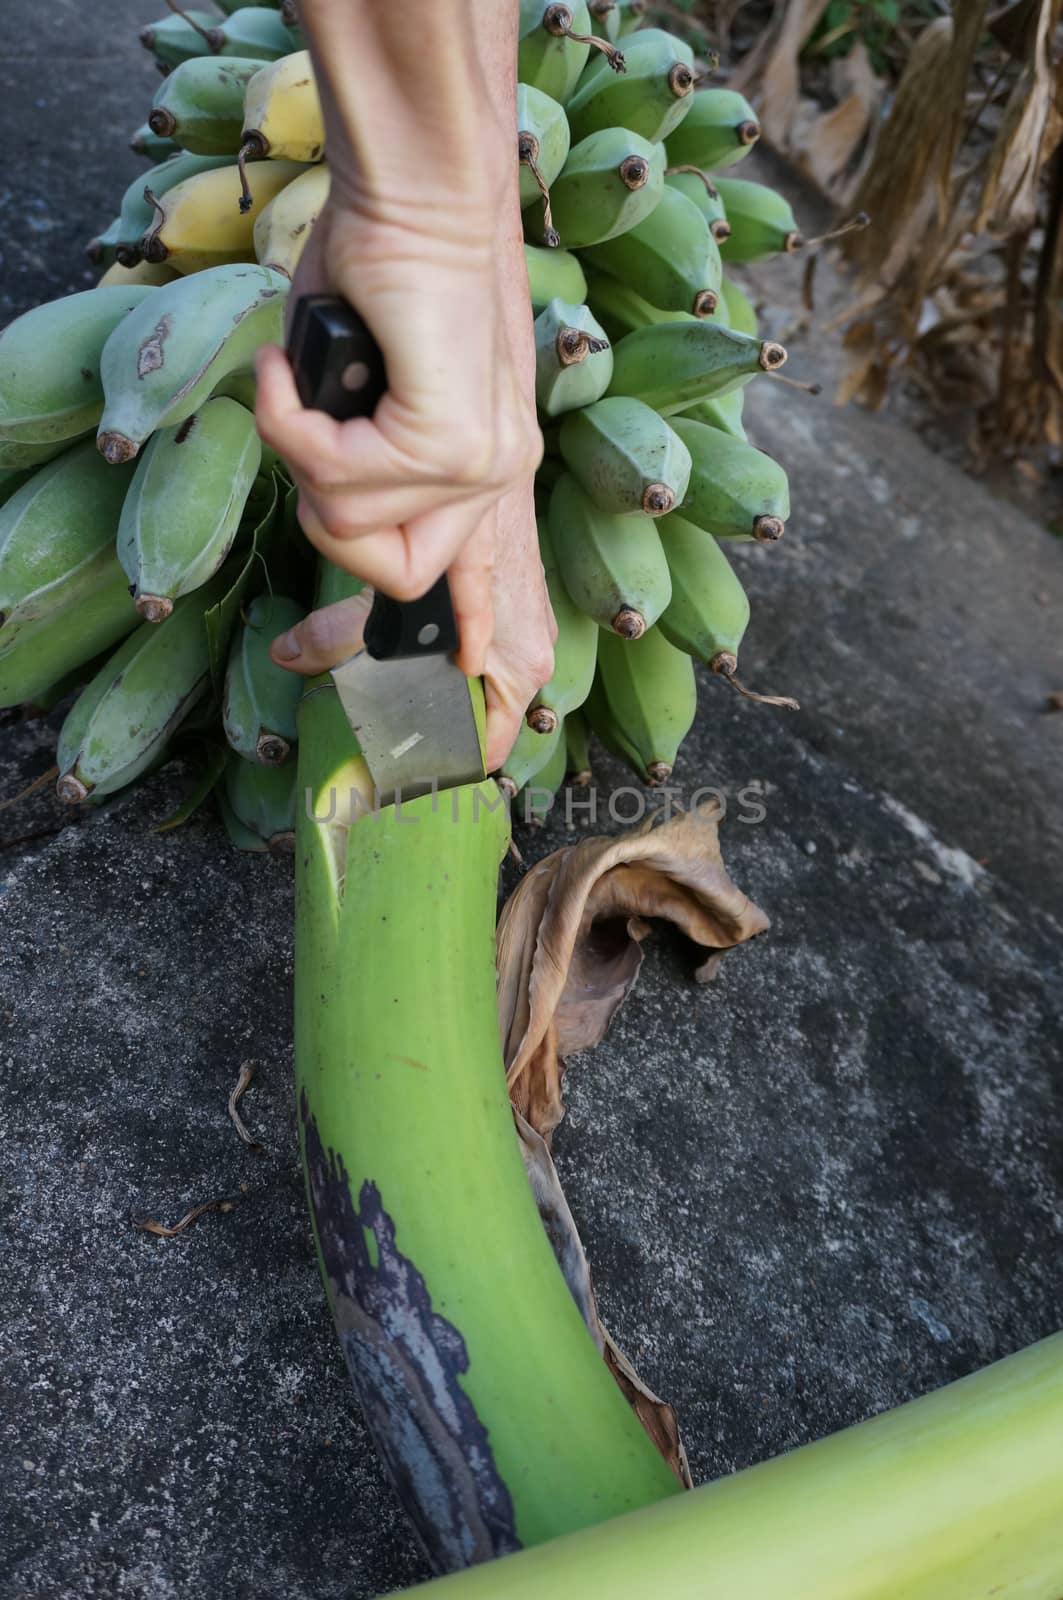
(287, 647)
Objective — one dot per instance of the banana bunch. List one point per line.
(158, 559)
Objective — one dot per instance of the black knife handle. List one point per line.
(339, 369)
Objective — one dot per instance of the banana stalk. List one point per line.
(491, 1406)
(953, 1496)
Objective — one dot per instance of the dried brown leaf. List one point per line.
(569, 950)
(1009, 190)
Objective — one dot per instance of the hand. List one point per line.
(519, 656)
(413, 491)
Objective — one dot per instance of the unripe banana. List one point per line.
(577, 752)
(252, 32)
(762, 222)
(650, 689)
(620, 309)
(137, 211)
(151, 145)
(147, 274)
(671, 255)
(174, 39)
(626, 457)
(708, 613)
(282, 113)
(651, 97)
(720, 128)
(700, 189)
(610, 182)
(736, 492)
(201, 104)
(605, 19)
(542, 149)
(573, 359)
(529, 755)
(258, 711)
(283, 227)
(185, 503)
(123, 719)
(102, 250)
(740, 309)
(50, 386)
(167, 356)
(632, 15)
(258, 805)
(536, 800)
(674, 364)
(205, 222)
(555, 41)
(723, 411)
(57, 555)
(575, 648)
(553, 274)
(613, 568)
(607, 731)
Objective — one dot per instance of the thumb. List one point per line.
(324, 638)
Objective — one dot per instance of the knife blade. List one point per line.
(409, 704)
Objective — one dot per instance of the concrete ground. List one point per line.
(826, 1183)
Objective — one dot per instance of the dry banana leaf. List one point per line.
(1009, 190)
(569, 950)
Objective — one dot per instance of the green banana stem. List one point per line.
(953, 1496)
(487, 1397)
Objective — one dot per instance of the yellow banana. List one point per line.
(282, 112)
(283, 226)
(204, 222)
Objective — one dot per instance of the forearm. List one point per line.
(418, 101)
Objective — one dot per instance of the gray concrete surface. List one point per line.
(827, 1182)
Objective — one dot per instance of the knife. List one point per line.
(408, 703)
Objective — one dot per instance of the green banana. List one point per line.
(554, 43)
(651, 97)
(258, 711)
(708, 613)
(63, 594)
(536, 800)
(673, 364)
(700, 189)
(632, 15)
(201, 104)
(553, 275)
(50, 357)
(573, 358)
(258, 805)
(152, 146)
(102, 250)
(610, 182)
(626, 457)
(723, 411)
(740, 310)
(671, 255)
(165, 359)
(621, 309)
(575, 648)
(137, 213)
(174, 38)
(255, 32)
(762, 222)
(613, 568)
(123, 719)
(651, 692)
(577, 748)
(529, 755)
(184, 506)
(607, 730)
(736, 492)
(720, 128)
(542, 149)
(605, 18)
